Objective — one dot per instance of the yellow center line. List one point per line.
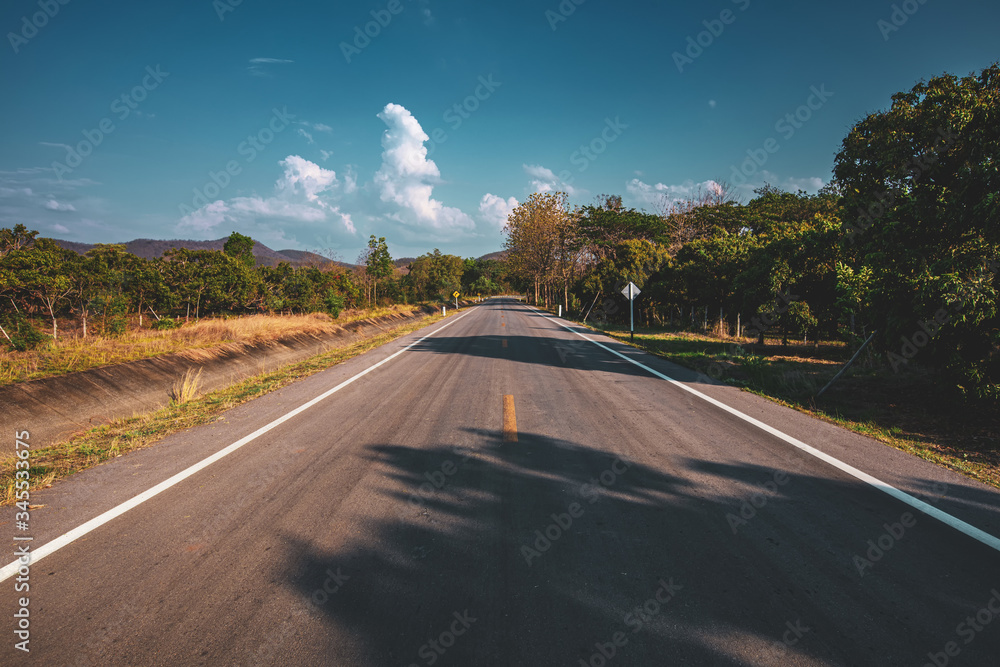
(509, 419)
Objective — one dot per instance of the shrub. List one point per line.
(334, 303)
(165, 323)
(23, 336)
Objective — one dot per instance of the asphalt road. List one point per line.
(404, 519)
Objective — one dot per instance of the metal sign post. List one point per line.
(630, 292)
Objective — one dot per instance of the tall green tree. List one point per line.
(379, 264)
(921, 193)
(240, 247)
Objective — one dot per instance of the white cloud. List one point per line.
(318, 127)
(645, 195)
(309, 138)
(53, 205)
(789, 184)
(544, 180)
(310, 204)
(407, 178)
(495, 210)
(306, 178)
(257, 65)
(35, 197)
(303, 197)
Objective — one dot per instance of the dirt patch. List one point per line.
(54, 408)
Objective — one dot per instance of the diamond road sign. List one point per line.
(630, 291)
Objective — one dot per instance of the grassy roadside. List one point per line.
(125, 435)
(904, 410)
(70, 354)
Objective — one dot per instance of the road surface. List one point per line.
(501, 491)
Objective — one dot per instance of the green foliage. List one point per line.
(22, 335)
(436, 276)
(240, 247)
(920, 183)
(166, 323)
(334, 303)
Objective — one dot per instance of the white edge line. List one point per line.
(58, 543)
(916, 503)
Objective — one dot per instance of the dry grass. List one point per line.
(77, 354)
(186, 388)
(124, 435)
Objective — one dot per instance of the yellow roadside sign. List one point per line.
(455, 294)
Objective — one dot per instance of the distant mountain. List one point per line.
(306, 257)
(152, 248)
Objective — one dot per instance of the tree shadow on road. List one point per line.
(567, 555)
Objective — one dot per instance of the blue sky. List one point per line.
(285, 121)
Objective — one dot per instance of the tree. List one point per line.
(41, 271)
(15, 239)
(240, 247)
(921, 192)
(435, 275)
(534, 230)
(378, 264)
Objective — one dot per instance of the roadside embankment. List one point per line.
(54, 408)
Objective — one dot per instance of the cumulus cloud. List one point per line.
(407, 178)
(544, 180)
(309, 202)
(645, 195)
(495, 210)
(811, 184)
(304, 196)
